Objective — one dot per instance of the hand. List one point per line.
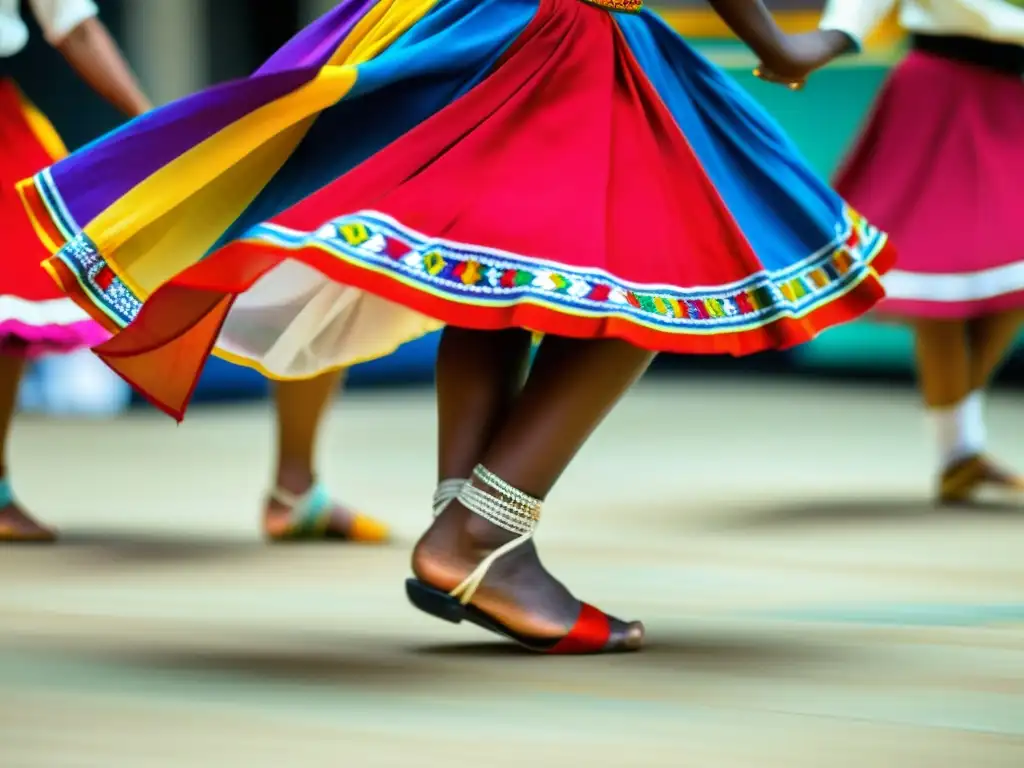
(800, 55)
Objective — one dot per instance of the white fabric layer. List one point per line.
(294, 322)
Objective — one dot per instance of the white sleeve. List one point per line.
(857, 18)
(58, 18)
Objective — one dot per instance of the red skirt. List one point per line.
(940, 167)
(35, 315)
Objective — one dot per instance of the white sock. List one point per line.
(960, 429)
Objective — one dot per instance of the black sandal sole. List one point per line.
(443, 606)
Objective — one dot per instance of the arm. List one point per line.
(73, 28)
(855, 18)
(752, 23)
(788, 58)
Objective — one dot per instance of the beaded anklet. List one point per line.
(446, 492)
(504, 506)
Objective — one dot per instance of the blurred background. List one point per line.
(178, 46)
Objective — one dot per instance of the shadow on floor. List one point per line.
(379, 664)
(116, 548)
(673, 651)
(381, 667)
(301, 666)
(841, 511)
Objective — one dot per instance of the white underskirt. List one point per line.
(295, 322)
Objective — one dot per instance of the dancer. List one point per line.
(492, 166)
(300, 508)
(36, 318)
(939, 167)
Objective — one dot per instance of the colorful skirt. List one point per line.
(405, 164)
(36, 317)
(940, 166)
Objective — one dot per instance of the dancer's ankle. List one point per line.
(462, 533)
(294, 477)
(959, 430)
(500, 511)
(446, 492)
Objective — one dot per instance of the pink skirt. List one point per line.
(940, 167)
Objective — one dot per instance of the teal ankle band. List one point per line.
(309, 516)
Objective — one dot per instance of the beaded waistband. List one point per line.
(625, 6)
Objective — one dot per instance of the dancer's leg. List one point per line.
(991, 338)
(15, 524)
(943, 362)
(955, 361)
(572, 386)
(479, 376)
(300, 508)
(944, 378)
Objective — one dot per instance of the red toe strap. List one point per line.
(589, 634)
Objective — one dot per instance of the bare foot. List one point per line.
(518, 592)
(16, 526)
(965, 480)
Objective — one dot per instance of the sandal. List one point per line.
(310, 515)
(34, 533)
(518, 513)
(963, 481)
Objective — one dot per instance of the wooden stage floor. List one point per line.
(805, 605)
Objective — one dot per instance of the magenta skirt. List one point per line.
(940, 167)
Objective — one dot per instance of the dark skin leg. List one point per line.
(573, 384)
(479, 377)
(15, 523)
